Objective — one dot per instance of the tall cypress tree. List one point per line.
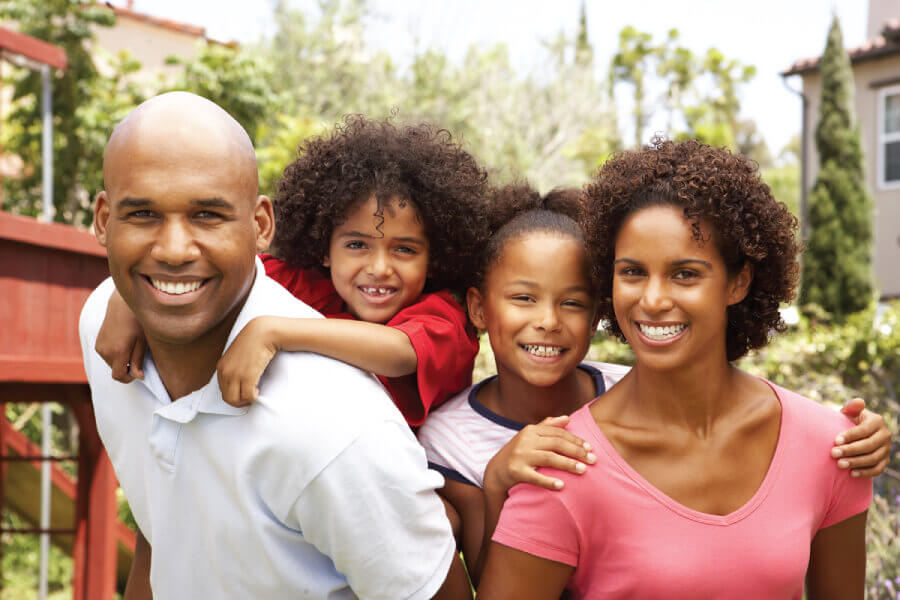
(837, 265)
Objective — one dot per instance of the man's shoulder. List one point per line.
(94, 309)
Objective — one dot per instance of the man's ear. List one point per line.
(264, 221)
(101, 217)
(740, 284)
(475, 302)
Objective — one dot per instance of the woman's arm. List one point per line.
(515, 575)
(372, 347)
(837, 561)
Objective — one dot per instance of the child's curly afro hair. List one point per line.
(420, 164)
(708, 184)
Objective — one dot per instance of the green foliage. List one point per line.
(76, 135)
(233, 78)
(837, 265)
(784, 182)
(21, 561)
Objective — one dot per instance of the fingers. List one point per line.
(529, 473)
(545, 430)
(864, 459)
(137, 358)
(870, 472)
(120, 371)
(853, 408)
(868, 424)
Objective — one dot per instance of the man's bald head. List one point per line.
(180, 123)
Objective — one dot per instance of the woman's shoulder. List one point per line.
(808, 416)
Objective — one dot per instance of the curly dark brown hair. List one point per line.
(707, 183)
(420, 164)
(517, 209)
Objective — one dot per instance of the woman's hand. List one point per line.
(246, 359)
(546, 444)
(121, 341)
(866, 448)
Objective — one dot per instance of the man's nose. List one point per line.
(175, 243)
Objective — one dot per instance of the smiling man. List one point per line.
(318, 490)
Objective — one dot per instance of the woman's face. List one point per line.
(537, 308)
(670, 292)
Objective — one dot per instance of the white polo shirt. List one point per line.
(318, 490)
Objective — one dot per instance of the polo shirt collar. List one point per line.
(207, 399)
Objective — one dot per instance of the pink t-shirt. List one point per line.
(626, 539)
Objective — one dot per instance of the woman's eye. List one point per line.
(631, 272)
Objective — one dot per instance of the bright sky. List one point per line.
(770, 34)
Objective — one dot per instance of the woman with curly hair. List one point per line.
(708, 482)
(377, 225)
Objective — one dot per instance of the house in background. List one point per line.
(876, 75)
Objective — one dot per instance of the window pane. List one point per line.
(892, 113)
(892, 161)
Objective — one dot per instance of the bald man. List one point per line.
(319, 490)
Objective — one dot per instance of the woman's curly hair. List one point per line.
(420, 164)
(517, 209)
(707, 183)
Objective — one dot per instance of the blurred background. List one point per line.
(545, 91)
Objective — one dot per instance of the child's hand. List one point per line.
(121, 342)
(866, 448)
(244, 362)
(546, 444)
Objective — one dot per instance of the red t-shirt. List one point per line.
(436, 325)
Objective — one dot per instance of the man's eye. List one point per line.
(142, 214)
(207, 214)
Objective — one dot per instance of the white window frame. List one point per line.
(885, 138)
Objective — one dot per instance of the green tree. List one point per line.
(630, 65)
(234, 78)
(80, 94)
(837, 264)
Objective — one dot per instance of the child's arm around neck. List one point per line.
(372, 347)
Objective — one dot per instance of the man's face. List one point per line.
(181, 224)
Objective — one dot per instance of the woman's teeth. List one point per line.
(176, 287)
(377, 291)
(543, 351)
(661, 333)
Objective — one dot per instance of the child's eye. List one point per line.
(631, 271)
(523, 298)
(406, 250)
(355, 245)
(574, 304)
(685, 274)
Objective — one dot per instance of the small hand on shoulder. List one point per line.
(866, 448)
(546, 444)
(245, 361)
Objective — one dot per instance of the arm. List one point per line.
(865, 448)
(837, 561)
(546, 444)
(371, 347)
(121, 342)
(468, 501)
(138, 585)
(515, 575)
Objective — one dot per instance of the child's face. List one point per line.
(670, 293)
(379, 268)
(537, 308)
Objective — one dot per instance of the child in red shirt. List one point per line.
(377, 225)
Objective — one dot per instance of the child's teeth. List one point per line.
(544, 351)
(662, 333)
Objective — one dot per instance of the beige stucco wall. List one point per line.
(886, 220)
(149, 44)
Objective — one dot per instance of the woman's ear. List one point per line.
(475, 302)
(740, 284)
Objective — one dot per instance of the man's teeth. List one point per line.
(662, 333)
(176, 287)
(377, 291)
(544, 351)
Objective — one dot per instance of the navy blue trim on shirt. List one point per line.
(450, 473)
(484, 411)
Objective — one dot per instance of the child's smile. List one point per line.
(379, 264)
